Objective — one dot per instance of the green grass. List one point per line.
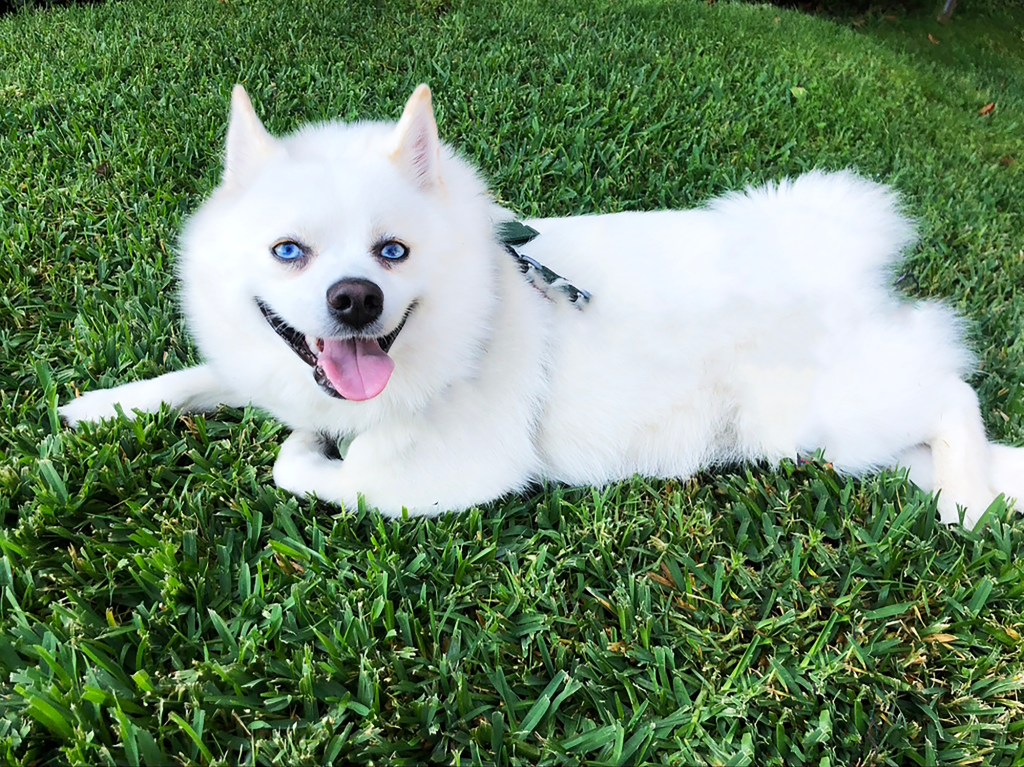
(162, 603)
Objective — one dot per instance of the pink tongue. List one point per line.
(358, 369)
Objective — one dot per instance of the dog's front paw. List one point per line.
(301, 465)
(91, 407)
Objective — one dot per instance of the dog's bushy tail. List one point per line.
(838, 229)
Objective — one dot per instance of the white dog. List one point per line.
(349, 280)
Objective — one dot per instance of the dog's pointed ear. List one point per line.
(417, 149)
(248, 143)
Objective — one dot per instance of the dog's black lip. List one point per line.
(295, 339)
(297, 342)
(386, 341)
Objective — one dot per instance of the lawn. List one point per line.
(163, 603)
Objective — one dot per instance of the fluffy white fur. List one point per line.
(760, 327)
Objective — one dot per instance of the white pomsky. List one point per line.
(760, 327)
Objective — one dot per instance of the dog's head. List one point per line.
(345, 260)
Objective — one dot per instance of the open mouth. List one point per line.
(347, 368)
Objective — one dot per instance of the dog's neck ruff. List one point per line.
(550, 284)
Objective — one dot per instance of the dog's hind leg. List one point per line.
(918, 463)
(193, 389)
(961, 456)
(1008, 472)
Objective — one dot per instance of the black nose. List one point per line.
(355, 302)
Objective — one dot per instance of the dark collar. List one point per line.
(512, 234)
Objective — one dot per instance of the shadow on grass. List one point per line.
(8, 7)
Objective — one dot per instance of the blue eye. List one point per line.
(288, 251)
(393, 251)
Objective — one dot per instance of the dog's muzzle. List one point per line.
(310, 349)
